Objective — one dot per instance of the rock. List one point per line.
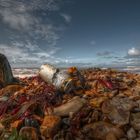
(96, 102)
(111, 136)
(6, 76)
(124, 103)
(138, 134)
(50, 126)
(5, 135)
(137, 138)
(135, 120)
(118, 110)
(69, 136)
(131, 133)
(1, 128)
(74, 105)
(95, 116)
(29, 132)
(119, 117)
(100, 130)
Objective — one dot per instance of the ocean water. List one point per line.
(27, 72)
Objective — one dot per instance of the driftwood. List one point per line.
(6, 76)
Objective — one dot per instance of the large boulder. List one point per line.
(6, 76)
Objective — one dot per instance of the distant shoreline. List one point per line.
(28, 72)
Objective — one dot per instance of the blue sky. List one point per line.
(102, 33)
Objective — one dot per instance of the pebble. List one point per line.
(131, 133)
(137, 138)
(111, 136)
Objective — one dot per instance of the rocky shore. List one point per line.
(108, 108)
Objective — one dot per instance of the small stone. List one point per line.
(100, 130)
(111, 136)
(123, 139)
(131, 134)
(137, 138)
(135, 120)
(50, 125)
(95, 116)
(29, 132)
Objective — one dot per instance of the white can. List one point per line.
(47, 72)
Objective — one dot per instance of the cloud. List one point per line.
(66, 17)
(134, 52)
(30, 27)
(28, 54)
(22, 21)
(21, 16)
(104, 54)
(131, 58)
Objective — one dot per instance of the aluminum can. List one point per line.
(47, 72)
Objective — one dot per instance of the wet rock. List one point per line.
(123, 139)
(119, 116)
(136, 90)
(135, 120)
(116, 116)
(5, 135)
(69, 136)
(100, 130)
(137, 138)
(1, 128)
(118, 110)
(74, 105)
(50, 126)
(29, 132)
(6, 76)
(131, 133)
(95, 116)
(124, 103)
(138, 134)
(111, 136)
(138, 102)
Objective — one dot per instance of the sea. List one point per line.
(25, 72)
(28, 72)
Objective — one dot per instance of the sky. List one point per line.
(87, 33)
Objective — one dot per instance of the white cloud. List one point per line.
(17, 21)
(49, 5)
(134, 52)
(20, 54)
(66, 17)
(20, 16)
(30, 30)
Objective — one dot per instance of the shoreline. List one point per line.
(29, 72)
